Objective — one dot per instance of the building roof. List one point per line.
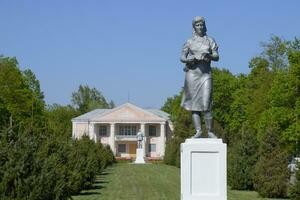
(89, 115)
(124, 113)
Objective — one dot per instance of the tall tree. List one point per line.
(275, 52)
(15, 95)
(37, 99)
(87, 99)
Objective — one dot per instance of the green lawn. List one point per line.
(144, 182)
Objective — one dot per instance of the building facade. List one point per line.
(118, 128)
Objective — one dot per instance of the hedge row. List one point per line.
(42, 166)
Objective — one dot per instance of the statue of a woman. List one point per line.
(197, 54)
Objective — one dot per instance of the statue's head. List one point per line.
(199, 26)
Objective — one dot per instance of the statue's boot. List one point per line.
(197, 124)
(208, 124)
(198, 134)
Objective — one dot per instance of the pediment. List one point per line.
(128, 113)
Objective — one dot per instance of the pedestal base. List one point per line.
(203, 169)
(139, 156)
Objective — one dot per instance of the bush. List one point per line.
(271, 170)
(31, 169)
(242, 159)
(86, 160)
(44, 166)
(172, 152)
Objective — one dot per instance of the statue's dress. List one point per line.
(197, 92)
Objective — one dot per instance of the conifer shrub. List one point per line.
(31, 169)
(271, 170)
(87, 159)
(40, 165)
(242, 159)
(108, 156)
(172, 152)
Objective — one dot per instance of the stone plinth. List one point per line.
(203, 169)
(139, 156)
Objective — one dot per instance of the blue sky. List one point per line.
(133, 47)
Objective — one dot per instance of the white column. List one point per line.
(96, 133)
(92, 131)
(73, 131)
(163, 138)
(143, 129)
(112, 138)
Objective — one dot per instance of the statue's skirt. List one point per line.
(197, 91)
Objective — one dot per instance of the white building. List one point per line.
(118, 128)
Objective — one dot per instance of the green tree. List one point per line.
(225, 84)
(275, 51)
(172, 152)
(284, 99)
(87, 99)
(59, 118)
(271, 172)
(242, 159)
(15, 95)
(183, 129)
(172, 106)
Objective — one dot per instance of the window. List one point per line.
(127, 130)
(122, 148)
(103, 131)
(152, 147)
(152, 130)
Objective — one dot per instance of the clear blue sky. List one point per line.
(123, 47)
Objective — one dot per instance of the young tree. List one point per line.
(242, 159)
(271, 171)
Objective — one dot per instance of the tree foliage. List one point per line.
(38, 158)
(242, 160)
(59, 118)
(271, 172)
(87, 99)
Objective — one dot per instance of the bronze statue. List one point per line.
(197, 54)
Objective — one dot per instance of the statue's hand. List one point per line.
(191, 60)
(206, 57)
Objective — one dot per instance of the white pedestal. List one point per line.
(139, 156)
(203, 169)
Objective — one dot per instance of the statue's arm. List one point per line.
(214, 55)
(184, 54)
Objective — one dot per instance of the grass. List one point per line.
(145, 182)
